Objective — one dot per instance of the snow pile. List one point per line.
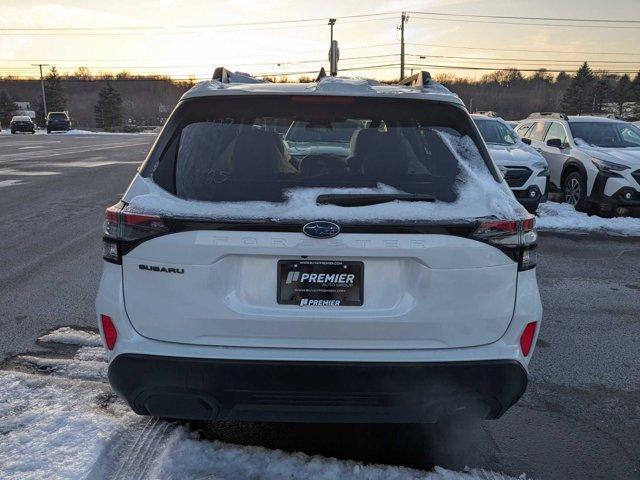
(49, 427)
(478, 193)
(72, 336)
(563, 217)
(53, 425)
(187, 457)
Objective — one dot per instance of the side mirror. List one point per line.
(555, 142)
(526, 140)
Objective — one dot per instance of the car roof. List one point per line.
(20, 117)
(329, 86)
(479, 116)
(593, 118)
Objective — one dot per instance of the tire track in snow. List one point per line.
(133, 452)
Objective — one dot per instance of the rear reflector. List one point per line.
(526, 339)
(109, 331)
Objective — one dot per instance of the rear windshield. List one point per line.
(257, 149)
(57, 116)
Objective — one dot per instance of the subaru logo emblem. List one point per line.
(321, 229)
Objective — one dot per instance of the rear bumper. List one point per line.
(350, 392)
(22, 128)
(55, 127)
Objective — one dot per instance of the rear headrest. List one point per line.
(380, 153)
(257, 153)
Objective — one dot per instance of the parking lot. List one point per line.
(578, 419)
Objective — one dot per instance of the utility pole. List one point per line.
(44, 99)
(403, 19)
(333, 52)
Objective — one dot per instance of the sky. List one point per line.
(184, 38)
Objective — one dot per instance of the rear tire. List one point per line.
(533, 208)
(48, 131)
(574, 191)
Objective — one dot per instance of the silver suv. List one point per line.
(593, 161)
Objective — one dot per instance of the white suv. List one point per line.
(524, 169)
(393, 282)
(593, 161)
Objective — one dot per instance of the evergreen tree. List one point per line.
(602, 91)
(579, 96)
(635, 95)
(623, 93)
(54, 93)
(7, 107)
(108, 110)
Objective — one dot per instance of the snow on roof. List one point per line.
(326, 86)
(592, 118)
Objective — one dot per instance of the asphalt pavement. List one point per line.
(578, 419)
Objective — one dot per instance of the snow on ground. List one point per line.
(72, 336)
(563, 217)
(58, 424)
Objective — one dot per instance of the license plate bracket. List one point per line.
(321, 283)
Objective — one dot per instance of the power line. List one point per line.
(178, 31)
(544, 60)
(208, 65)
(82, 60)
(604, 20)
(362, 68)
(499, 22)
(465, 47)
(207, 26)
(495, 68)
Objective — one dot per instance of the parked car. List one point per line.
(593, 161)
(392, 282)
(22, 123)
(58, 122)
(524, 169)
(304, 138)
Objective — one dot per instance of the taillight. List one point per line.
(109, 331)
(123, 230)
(516, 238)
(526, 339)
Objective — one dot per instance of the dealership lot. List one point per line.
(578, 419)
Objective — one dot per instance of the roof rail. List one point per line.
(223, 75)
(420, 79)
(561, 116)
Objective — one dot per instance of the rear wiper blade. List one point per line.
(364, 199)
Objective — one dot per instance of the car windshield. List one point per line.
(606, 134)
(496, 132)
(228, 149)
(57, 116)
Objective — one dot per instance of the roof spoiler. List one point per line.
(420, 79)
(561, 116)
(223, 75)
